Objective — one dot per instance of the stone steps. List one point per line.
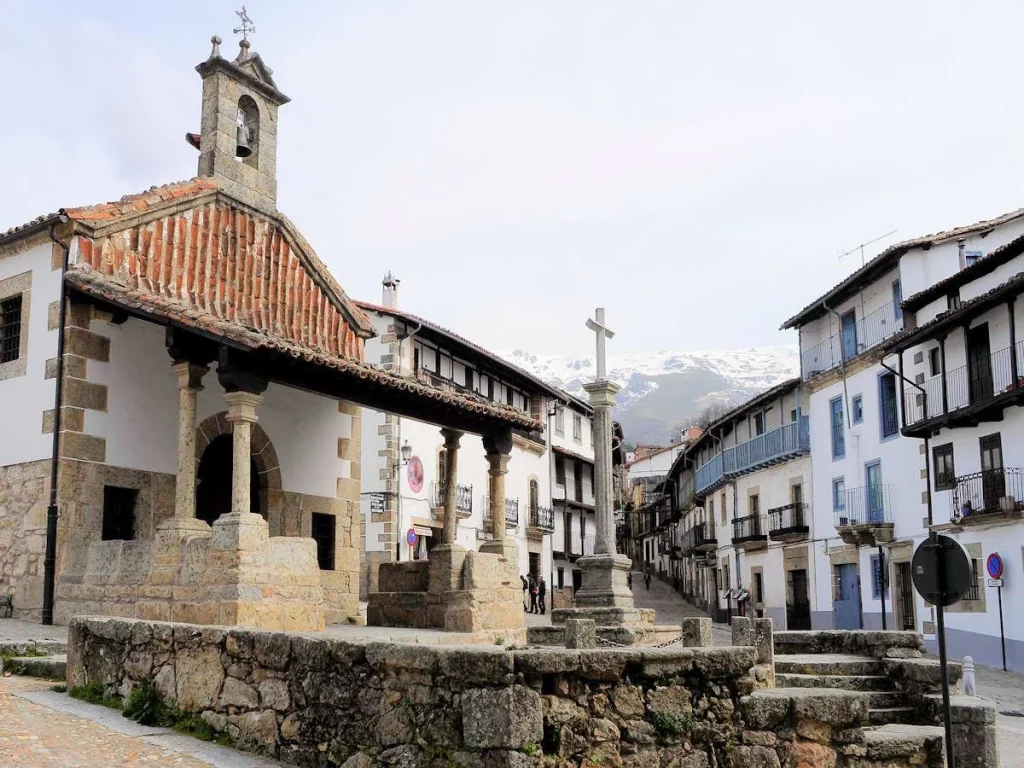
(29, 647)
(46, 667)
(844, 682)
(829, 664)
(891, 715)
(892, 742)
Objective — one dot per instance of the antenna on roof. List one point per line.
(861, 247)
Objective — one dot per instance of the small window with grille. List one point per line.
(10, 328)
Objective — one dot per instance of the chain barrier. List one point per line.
(613, 644)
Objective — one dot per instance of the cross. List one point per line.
(247, 25)
(598, 327)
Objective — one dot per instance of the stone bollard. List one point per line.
(968, 682)
(696, 632)
(742, 632)
(580, 633)
(763, 641)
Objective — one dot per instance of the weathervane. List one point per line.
(247, 25)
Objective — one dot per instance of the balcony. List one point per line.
(511, 514)
(850, 342)
(749, 532)
(864, 516)
(704, 537)
(973, 394)
(542, 521)
(789, 523)
(990, 496)
(463, 500)
(687, 498)
(774, 447)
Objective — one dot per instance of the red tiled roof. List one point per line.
(94, 283)
(885, 261)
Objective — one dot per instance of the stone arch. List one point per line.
(263, 454)
(249, 116)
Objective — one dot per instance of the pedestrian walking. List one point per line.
(533, 594)
(629, 580)
(647, 580)
(526, 586)
(542, 593)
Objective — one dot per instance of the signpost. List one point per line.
(941, 570)
(994, 566)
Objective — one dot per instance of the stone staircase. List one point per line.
(44, 659)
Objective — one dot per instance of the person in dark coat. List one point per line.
(542, 593)
(647, 580)
(629, 580)
(526, 586)
(533, 594)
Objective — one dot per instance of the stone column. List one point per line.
(602, 398)
(241, 414)
(190, 378)
(451, 463)
(498, 452)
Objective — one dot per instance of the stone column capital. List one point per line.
(451, 438)
(190, 375)
(500, 445)
(497, 464)
(242, 406)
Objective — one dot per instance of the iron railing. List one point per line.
(511, 512)
(845, 344)
(771, 446)
(704, 535)
(748, 528)
(965, 386)
(867, 504)
(543, 518)
(987, 492)
(463, 498)
(790, 517)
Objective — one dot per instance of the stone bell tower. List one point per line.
(238, 139)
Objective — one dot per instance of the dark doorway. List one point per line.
(993, 482)
(577, 580)
(534, 565)
(798, 610)
(577, 481)
(213, 488)
(905, 590)
(979, 363)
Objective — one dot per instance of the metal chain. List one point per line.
(613, 644)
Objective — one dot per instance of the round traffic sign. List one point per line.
(941, 570)
(410, 536)
(994, 566)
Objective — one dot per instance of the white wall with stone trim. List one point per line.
(140, 424)
(24, 398)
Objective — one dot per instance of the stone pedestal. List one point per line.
(605, 582)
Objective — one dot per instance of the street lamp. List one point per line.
(406, 453)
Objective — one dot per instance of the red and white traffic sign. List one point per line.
(994, 566)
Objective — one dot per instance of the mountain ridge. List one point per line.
(660, 391)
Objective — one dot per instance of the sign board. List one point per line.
(414, 473)
(994, 566)
(377, 502)
(941, 570)
(410, 536)
(995, 582)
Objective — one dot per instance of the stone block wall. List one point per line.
(24, 495)
(320, 701)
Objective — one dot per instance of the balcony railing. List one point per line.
(772, 446)
(511, 512)
(968, 385)
(867, 504)
(685, 495)
(709, 475)
(704, 536)
(749, 528)
(542, 519)
(790, 519)
(463, 498)
(863, 335)
(990, 492)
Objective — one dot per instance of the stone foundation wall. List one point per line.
(320, 701)
(24, 495)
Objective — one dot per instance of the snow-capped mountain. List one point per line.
(664, 389)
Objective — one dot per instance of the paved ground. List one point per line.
(42, 728)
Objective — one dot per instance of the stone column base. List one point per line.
(506, 548)
(605, 582)
(178, 528)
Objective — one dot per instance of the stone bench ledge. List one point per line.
(888, 742)
(775, 707)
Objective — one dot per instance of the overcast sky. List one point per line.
(694, 167)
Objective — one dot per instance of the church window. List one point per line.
(118, 513)
(323, 534)
(10, 329)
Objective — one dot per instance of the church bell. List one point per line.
(242, 148)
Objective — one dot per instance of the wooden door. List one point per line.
(979, 363)
(993, 482)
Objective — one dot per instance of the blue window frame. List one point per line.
(839, 498)
(876, 578)
(888, 411)
(857, 409)
(838, 430)
(874, 497)
(897, 299)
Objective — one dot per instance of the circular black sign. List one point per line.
(942, 570)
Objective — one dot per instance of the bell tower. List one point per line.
(238, 139)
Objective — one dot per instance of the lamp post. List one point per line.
(406, 455)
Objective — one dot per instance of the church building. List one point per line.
(182, 384)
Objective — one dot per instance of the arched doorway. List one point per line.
(213, 481)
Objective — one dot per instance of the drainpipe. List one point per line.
(50, 558)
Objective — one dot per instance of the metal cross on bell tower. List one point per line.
(597, 325)
(247, 26)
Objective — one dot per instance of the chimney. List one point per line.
(389, 298)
